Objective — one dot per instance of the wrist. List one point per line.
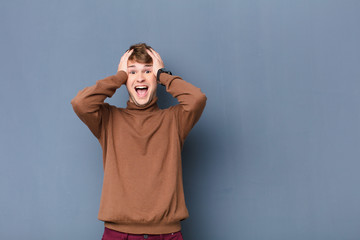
(159, 71)
(121, 76)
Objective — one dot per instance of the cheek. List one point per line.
(129, 82)
(152, 80)
(153, 88)
(154, 85)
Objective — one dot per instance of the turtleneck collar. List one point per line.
(152, 106)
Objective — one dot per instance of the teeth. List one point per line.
(140, 87)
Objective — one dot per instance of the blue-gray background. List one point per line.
(274, 156)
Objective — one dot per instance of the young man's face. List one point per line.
(141, 83)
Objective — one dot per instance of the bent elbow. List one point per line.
(199, 103)
(202, 100)
(76, 104)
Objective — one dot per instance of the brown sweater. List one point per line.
(142, 189)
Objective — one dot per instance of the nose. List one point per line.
(140, 77)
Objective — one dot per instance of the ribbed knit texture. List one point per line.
(142, 187)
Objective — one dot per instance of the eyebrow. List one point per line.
(144, 66)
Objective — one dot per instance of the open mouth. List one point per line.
(141, 90)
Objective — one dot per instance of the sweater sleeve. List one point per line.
(89, 104)
(191, 102)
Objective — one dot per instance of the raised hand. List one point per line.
(157, 61)
(123, 61)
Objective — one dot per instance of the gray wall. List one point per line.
(274, 156)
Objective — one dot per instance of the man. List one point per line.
(142, 192)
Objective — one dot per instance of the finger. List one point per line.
(157, 57)
(153, 56)
(125, 53)
(150, 53)
(155, 53)
(128, 53)
(124, 58)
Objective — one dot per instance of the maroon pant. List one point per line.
(110, 234)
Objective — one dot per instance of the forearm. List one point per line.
(189, 96)
(89, 104)
(191, 102)
(89, 99)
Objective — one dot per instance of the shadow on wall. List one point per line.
(165, 98)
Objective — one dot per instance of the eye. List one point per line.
(132, 72)
(147, 71)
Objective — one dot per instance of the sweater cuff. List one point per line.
(121, 77)
(165, 78)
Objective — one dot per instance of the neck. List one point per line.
(150, 107)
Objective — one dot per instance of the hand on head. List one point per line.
(123, 61)
(157, 61)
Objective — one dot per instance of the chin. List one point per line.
(141, 102)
